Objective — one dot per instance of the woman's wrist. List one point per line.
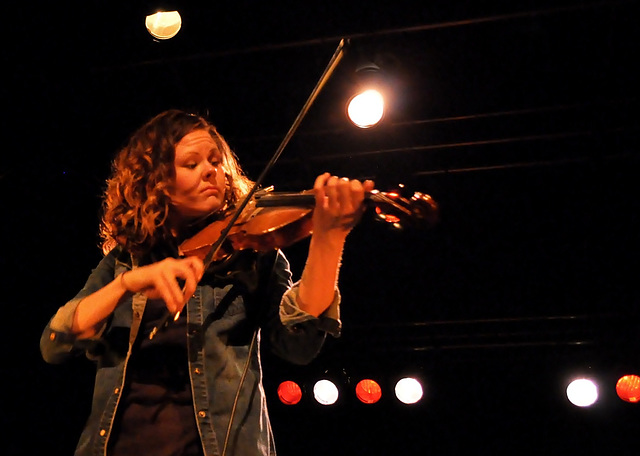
(330, 239)
(123, 283)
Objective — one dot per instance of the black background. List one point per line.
(519, 118)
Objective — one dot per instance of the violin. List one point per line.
(273, 220)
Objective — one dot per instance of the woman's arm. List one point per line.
(339, 206)
(157, 281)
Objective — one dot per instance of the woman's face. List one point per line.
(199, 188)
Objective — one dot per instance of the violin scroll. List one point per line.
(420, 210)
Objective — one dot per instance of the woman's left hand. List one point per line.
(339, 205)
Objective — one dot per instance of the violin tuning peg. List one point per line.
(425, 209)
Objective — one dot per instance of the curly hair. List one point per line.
(136, 205)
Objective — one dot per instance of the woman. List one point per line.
(192, 386)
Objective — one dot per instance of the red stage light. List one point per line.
(368, 391)
(628, 388)
(289, 392)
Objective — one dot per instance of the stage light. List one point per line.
(366, 108)
(164, 24)
(368, 391)
(628, 388)
(289, 392)
(325, 392)
(408, 390)
(582, 392)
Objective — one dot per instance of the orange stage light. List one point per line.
(289, 392)
(628, 388)
(368, 391)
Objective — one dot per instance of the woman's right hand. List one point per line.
(172, 280)
(162, 280)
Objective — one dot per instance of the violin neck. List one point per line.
(390, 207)
(303, 199)
(284, 199)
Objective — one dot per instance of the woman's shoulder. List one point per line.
(115, 258)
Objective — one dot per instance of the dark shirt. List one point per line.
(155, 416)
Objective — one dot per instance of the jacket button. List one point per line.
(197, 370)
(116, 391)
(202, 413)
(102, 432)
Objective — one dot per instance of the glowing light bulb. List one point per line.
(582, 392)
(164, 24)
(366, 109)
(628, 388)
(368, 391)
(408, 390)
(325, 392)
(289, 392)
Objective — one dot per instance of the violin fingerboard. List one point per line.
(286, 200)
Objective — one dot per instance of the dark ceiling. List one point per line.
(519, 118)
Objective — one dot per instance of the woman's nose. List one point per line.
(211, 170)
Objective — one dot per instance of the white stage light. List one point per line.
(366, 109)
(409, 390)
(325, 392)
(582, 392)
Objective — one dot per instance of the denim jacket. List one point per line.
(219, 342)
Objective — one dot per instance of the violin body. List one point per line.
(258, 228)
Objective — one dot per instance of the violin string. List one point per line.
(377, 196)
